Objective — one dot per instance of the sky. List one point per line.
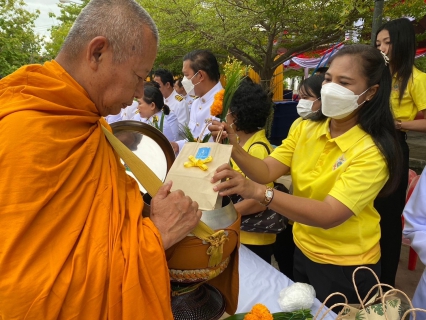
(43, 23)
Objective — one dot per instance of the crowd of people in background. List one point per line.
(347, 156)
(394, 72)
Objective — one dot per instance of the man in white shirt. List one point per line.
(201, 77)
(172, 99)
(127, 113)
(181, 90)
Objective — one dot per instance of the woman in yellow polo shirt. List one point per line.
(248, 112)
(397, 40)
(338, 167)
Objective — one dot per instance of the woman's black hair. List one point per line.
(312, 87)
(152, 93)
(250, 107)
(403, 40)
(375, 116)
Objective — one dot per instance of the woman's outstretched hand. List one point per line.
(228, 132)
(234, 182)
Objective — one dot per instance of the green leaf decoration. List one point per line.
(206, 138)
(359, 316)
(187, 134)
(161, 122)
(378, 308)
(393, 303)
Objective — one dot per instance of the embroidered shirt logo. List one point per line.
(339, 162)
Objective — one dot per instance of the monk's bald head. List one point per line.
(122, 22)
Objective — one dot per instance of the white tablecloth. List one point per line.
(261, 283)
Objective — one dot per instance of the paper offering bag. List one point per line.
(193, 169)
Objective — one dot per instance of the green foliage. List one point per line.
(58, 33)
(188, 136)
(260, 33)
(251, 31)
(158, 126)
(420, 63)
(19, 45)
(235, 72)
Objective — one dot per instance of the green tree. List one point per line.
(19, 44)
(58, 32)
(260, 33)
(253, 31)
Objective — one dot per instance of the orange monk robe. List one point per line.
(73, 244)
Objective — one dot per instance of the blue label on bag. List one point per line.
(203, 153)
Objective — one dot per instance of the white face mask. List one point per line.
(338, 102)
(304, 108)
(188, 85)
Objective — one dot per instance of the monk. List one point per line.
(73, 243)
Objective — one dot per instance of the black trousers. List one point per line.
(390, 209)
(329, 278)
(284, 251)
(263, 251)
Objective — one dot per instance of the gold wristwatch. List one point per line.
(269, 194)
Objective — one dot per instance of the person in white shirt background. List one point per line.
(127, 113)
(181, 90)
(176, 102)
(415, 230)
(151, 109)
(201, 78)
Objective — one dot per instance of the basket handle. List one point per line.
(412, 310)
(374, 288)
(356, 289)
(325, 301)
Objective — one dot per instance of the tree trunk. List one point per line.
(377, 19)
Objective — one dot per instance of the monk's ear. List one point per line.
(96, 50)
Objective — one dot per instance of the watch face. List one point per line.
(269, 193)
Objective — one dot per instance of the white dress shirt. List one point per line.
(130, 112)
(189, 100)
(170, 125)
(177, 105)
(415, 230)
(200, 111)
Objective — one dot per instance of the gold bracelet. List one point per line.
(398, 125)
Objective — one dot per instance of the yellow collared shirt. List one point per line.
(258, 151)
(414, 98)
(351, 169)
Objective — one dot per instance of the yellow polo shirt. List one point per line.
(258, 151)
(414, 98)
(295, 124)
(349, 168)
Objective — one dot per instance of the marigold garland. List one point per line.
(217, 107)
(259, 312)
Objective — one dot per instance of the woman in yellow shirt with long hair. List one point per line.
(397, 40)
(338, 167)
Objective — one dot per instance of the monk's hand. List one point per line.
(227, 131)
(234, 182)
(174, 214)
